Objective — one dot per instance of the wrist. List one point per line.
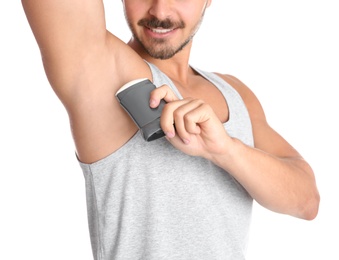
(225, 155)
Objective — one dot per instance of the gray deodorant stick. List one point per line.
(134, 98)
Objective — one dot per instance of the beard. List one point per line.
(161, 48)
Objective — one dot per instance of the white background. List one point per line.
(285, 51)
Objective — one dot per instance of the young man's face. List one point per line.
(164, 27)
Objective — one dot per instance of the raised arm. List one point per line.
(72, 37)
(85, 65)
(66, 32)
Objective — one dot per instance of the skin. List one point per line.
(86, 65)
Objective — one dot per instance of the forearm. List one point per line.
(284, 185)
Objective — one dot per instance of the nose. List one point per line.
(161, 9)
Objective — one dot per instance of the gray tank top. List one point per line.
(149, 201)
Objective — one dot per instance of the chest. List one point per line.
(205, 90)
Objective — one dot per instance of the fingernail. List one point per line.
(169, 134)
(186, 141)
(152, 102)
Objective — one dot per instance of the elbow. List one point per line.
(309, 205)
(310, 208)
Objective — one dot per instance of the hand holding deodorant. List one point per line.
(134, 98)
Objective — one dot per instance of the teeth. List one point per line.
(160, 31)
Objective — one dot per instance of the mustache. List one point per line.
(156, 23)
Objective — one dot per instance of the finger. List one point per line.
(187, 118)
(167, 116)
(183, 114)
(197, 120)
(162, 92)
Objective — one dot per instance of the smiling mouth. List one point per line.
(161, 27)
(160, 30)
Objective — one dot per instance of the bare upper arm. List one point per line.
(64, 30)
(85, 65)
(265, 137)
(75, 45)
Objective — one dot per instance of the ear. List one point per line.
(209, 2)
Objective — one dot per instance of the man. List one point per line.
(188, 195)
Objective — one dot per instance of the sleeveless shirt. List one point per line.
(150, 201)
